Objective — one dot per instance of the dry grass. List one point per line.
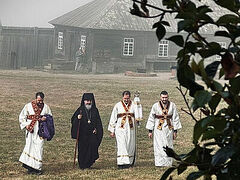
(63, 94)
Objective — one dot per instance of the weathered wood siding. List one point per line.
(25, 47)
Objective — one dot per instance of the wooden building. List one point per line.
(116, 41)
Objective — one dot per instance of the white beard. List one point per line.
(88, 107)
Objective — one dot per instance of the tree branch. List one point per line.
(189, 112)
(154, 7)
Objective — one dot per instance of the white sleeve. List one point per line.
(23, 118)
(175, 118)
(113, 120)
(151, 120)
(48, 110)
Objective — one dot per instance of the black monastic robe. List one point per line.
(88, 142)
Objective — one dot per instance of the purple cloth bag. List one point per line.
(46, 128)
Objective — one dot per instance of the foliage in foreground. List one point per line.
(216, 135)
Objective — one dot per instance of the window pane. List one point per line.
(128, 46)
(163, 48)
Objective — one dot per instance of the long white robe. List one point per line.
(125, 137)
(33, 151)
(163, 137)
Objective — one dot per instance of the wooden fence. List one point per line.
(24, 47)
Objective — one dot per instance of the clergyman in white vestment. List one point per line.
(32, 154)
(163, 123)
(122, 125)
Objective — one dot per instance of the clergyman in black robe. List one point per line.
(88, 120)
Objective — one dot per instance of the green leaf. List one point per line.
(238, 42)
(191, 157)
(228, 18)
(213, 103)
(223, 34)
(185, 15)
(206, 18)
(165, 23)
(167, 173)
(202, 14)
(212, 68)
(170, 152)
(191, 47)
(201, 127)
(186, 77)
(181, 168)
(171, 4)
(195, 68)
(205, 53)
(221, 73)
(217, 86)
(229, 4)
(177, 39)
(222, 155)
(204, 9)
(180, 54)
(155, 25)
(225, 94)
(186, 25)
(181, 25)
(161, 31)
(219, 123)
(190, 6)
(202, 97)
(160, 23)
(234, 49)
(210, 133)
(233, 30)
(235, 85)
(184, 73)
(195, 175)
(213, 49)
(202, 69)
(194, 87)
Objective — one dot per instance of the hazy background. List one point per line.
(35, 13)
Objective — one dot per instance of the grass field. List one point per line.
(63, 94)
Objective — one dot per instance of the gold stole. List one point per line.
(126, 114)
(164, 116)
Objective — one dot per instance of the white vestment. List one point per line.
(163, 137)
(33, 151)
(125, 135)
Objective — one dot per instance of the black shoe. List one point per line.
(38, 172)
(124, 166)
(30, 171)
(120, 166)
(35, 172)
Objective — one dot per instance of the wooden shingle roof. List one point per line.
(114, 14)
(106, 14)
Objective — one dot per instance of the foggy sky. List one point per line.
(35, 13)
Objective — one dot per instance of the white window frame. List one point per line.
(163, 48)
(83, 41)
(60, 40)
(223, 45)
(128, 46)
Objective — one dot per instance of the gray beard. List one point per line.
(88, 107)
